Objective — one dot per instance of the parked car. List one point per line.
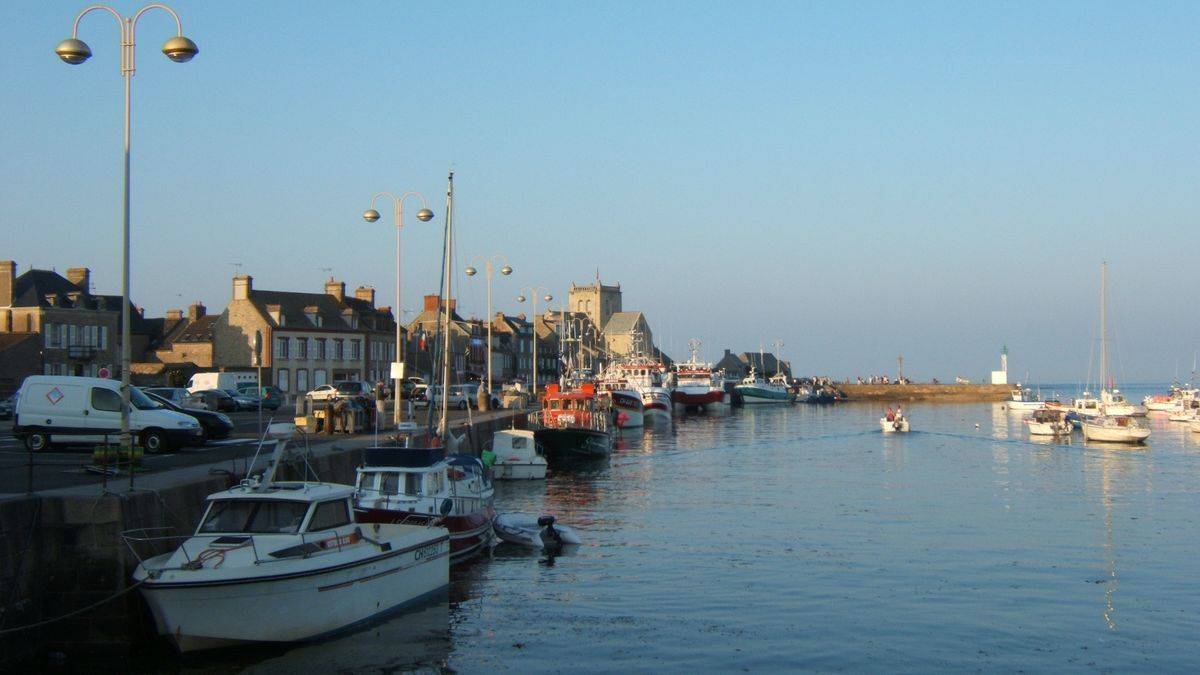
(7, 405)
(462, 396)
(177, 395)
(215, 425)
(323, 393)
(408, 385)
(243, 401)
(419, 396)
(203, 381)
(215, 399)
(66, 409)
(272, 397)
(343, 389)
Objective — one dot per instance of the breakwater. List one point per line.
(949, 393)
(61, 551)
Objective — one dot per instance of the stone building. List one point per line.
(79, 332)
(738, 365)
(424, 329)
(598, 301)
(628, 334)
(308, 339)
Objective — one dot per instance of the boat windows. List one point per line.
(389, 483)
(412, 483)
(254, 516)
(329, 515)
(518, 442)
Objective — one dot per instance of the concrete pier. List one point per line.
(949, 393)
(61, 550)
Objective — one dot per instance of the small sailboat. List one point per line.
(1115, 422)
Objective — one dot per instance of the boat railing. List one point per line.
(595, 420)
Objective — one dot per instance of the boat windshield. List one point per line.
(254, 516)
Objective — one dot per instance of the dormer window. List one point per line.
(314, 318)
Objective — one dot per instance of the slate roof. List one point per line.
(334, 315)
(34, 287)
(622, 323)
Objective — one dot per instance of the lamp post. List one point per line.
(75, 51)
(424, 215)
(533, 291)
(489, 270)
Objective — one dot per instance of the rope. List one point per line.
(68, 615)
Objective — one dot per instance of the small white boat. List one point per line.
(1195, 424)
(518, 456)
(1024, 400)
(1182, 415)
(898, 423)
(1115, 429)
(1049, 422)
(285, 562)
(534, 531)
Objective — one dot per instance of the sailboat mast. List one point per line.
(443, 425)
(1103, 327)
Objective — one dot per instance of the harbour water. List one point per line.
(803, 538)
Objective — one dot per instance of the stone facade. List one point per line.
(598, 301)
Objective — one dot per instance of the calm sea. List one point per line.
(802, 538)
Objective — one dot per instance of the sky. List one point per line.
(860, 180)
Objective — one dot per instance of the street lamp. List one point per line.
(533, 291)
(424, 215)
(489, 269)
(75, 51)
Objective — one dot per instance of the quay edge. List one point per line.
(934, 393)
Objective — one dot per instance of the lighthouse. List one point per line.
(1001, 376)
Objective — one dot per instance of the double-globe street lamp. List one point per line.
(75, 51)
(424, 215)
(533, 293)
(489, 270)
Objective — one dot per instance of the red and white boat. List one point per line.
(644, 376)
(630, 411)
(424, 486)
(694, 386)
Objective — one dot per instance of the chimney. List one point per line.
(365, 294)
(81, 277)
(8, 276)
(5, 320)
(243, 286)
(431, 303)
(196, 310)
(174, 314)
(335, 288)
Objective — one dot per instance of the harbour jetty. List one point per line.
(948, 393)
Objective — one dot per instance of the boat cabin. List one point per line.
(1048, 416)
(515, 445)
(417, 480)
(280, 508)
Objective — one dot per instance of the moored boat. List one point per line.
(694, 386)
(1024, 400)
(540, 532)
(1115, 422)
(518, 456)
(755, 390)
(1048, 422)
(267, 553)
(572, 425)
(423, 486)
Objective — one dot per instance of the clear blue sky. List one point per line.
(859, 179)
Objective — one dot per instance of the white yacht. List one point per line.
(1048, 422)
(518, 456)
(1116, 422)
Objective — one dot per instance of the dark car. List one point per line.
(272, 397)
(216, 425)
(216, 399)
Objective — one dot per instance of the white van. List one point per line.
(60, 409)
(223, 381)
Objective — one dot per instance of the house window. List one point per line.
(51, 335)
(281, 379)
(337, 350)
(103, 337)
(318, 377)
(301, 353)
(355, 350)
(320, 350)
(73, 334)
(281, 350)
(48, 369)
(301, 380)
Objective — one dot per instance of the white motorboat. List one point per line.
(1115, 429)
(1024, 400)
(1182, 415)
(754, 389)
(1086, 406)
(535, 532)
(285, 562)
(1048, 422)
(893, 423)
(518, 456)
(1114, 403)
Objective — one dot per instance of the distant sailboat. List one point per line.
(1114, 423)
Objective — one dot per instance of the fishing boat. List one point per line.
(540, 532)
(518, 456)
(423, 478)
(1048, 422)
(642, 375)
(755, 390)
(694, 387)
(285, 561)
(1183, 415)
(572, 425)
(1024, 400)
(1115, 423)
(624, 400)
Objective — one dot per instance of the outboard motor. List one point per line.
(551, 539)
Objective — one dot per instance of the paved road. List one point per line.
(66, 466)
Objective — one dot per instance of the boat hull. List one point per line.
(572, 443)
(759, 395)
(1025, 406)
(1093, 431)
(893, 426)
(1048, 428)
(656, 406)
(469, 533)
(629, 408)
(280, 607)
(518, 471)
(698, 399)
